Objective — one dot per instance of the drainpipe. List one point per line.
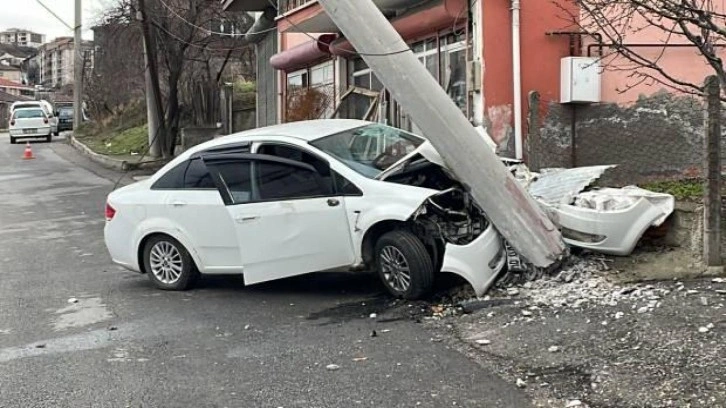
(517, 77)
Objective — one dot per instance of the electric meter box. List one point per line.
(580, 80)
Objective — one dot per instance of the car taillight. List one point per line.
(110, 212)
(12, 123)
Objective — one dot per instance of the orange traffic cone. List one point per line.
(28, 155)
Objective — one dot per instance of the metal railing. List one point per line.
(285, 6)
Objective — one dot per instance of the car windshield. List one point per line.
(369, 149)
(28, 114)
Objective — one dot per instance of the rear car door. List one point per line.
(195, 207)
(287, 218)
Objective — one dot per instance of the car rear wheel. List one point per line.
(168, 263)
(13, 140)
(404, 265)
(48, 138)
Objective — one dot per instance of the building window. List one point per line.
(310, 93)
(444, 58)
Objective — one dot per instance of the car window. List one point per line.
(236, 179)
(278, 181)
(369, 149)
(344, 186)
(65, 113)
(197, 176)
(28, 114)
(172, 179)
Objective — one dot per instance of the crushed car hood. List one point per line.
(425, 149)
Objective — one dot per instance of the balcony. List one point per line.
(307, 15)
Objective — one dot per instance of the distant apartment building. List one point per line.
(56, 58)
(22, 38)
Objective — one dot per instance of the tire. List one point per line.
(169, 278)
(56, 134)
(49, 138)
(13, 140)
(401, 249)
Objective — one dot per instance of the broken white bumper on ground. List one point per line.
(607, 220)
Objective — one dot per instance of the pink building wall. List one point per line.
(619, 83)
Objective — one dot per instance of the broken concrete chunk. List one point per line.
(484, 342)
(332, 367)
(553, 349)
(521, 383)
(573, 404)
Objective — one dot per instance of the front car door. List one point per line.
(287, 218)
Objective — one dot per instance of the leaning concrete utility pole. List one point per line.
(512, 210)
(77, 69)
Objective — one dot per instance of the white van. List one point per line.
(43, 104)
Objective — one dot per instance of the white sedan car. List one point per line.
(287, 200)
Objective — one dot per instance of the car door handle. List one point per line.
(178, 204)
(246, 218)
(333, 202)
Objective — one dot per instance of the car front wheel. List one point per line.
(404, 265)
(168, 263)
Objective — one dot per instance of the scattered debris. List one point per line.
(704, 301)
(373, 316)
(703, 329)
(526, 313)
(72, 300)
(112, 328)
(360, 359)
(484, 342)
(385, 330)
(573, 404)
(40, 346)
(553, 349)
(374, 334)
(521, 383)
(332, 367)
(247, 327)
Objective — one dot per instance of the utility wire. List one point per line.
(204, 47)
(287, 19)
(171, 10)
(55, 15)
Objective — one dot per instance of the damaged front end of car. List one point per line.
(451, 221)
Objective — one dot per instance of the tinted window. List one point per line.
(65, 113)
(236, 177)
(197, 176)
(278, 181)
(345, 187)
(172, 179)
(28, 114)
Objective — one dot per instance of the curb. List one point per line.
(115, 164)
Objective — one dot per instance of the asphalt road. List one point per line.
(125, 344)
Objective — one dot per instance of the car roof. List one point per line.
(308, 130)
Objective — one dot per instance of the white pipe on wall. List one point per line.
(517, 79)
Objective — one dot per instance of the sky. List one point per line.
(30, 15)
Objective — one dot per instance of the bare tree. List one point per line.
(193, 57)
(696, 24)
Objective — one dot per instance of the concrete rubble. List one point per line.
(584, 337)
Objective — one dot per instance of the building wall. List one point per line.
(540, 59)
(649, 130)
(12, 75)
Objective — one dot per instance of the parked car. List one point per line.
(65, 118)
(29, 123)
(303, 197)
(47, 108)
